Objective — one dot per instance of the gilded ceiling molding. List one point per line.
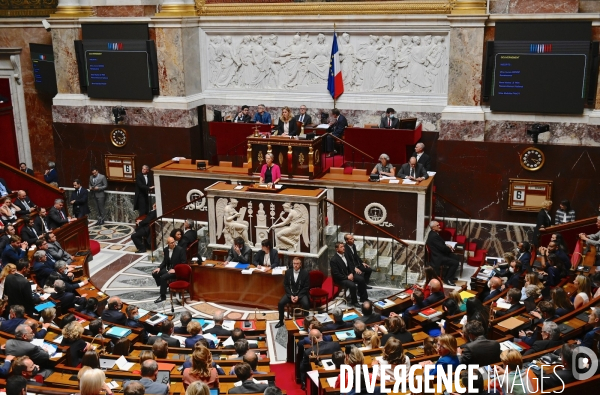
(335, 8)
(30, 8)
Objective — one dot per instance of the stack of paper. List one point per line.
(227, 343)
(323, 318)
(228, 324)
(231, 265)
(277, 271)
(328, 364)
(408, 181)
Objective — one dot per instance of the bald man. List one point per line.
(436, 293)
(495, 285)
(413, 171)
(422, 157)
(173, 256)
(319, 347)
(441, 254)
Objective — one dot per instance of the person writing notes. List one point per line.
(413, 171)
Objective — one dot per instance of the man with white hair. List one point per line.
(218, 329)
(422, 157)
(593, 240)
(550, 338)
(21, 345)
(24, 203)
(441, 254)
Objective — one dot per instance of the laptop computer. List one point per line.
(107, 363)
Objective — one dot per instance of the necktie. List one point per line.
(78, 191)
(62, 215)
(34, 232)
(301, 118)
(25, 205)
(390, 122)
(412, 172)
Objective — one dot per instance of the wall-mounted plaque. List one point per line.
(120, 167)
(528, 195)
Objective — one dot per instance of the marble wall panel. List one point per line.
(191, 60)
(499, 6)
(543, 6)
(589, 6)
(462, 130)
(430, 120)
(560, 133)
(171, 75)
(125, 11)
(466, 57)
(38, 106)
(65, 61)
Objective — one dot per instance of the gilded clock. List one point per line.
(118, 137)
(532, 159)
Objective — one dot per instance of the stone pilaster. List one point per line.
(73, 9)
(64, 33)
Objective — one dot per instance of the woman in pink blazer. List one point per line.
(270, 173)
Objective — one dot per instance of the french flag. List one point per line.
(335, 84)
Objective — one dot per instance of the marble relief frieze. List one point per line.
(403, 64)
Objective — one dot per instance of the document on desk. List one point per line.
(239, 187)
(394, 181)
(431, 173)
(408, 182)
(228, 342)
(451, 244)
(248, 271)
(387, 178)
(323, 126)
(228, 324)
(181, 339)
(314, 376)
(231, 265)
(122, 364)
(278, 271)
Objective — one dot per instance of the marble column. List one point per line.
(73, 9)
(463, 118)
(64, 33)
(171, 8)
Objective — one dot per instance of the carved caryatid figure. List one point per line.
(230, 222)
(347, 60)
(417, 69)
(287, 235)
(385, 60)
(367, 54)
(320, 59)
(229, 63)
(402, 62)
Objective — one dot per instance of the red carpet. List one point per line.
(284, 378)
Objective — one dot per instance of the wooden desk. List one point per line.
(296, 158)
(224, 285)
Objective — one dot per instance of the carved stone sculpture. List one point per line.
(287, 235)
(230, 222)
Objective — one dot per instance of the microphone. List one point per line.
(102, 350)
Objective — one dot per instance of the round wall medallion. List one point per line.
(532, 159)
(118, 137)
(375, 213)
(192, 195)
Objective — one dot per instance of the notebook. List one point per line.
(41, 307)
(564, 328)
(107, 363)
(118, 332)
(585, 317)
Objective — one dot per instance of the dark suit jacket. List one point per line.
(18, 290)
(190, 341)
(385, 124)
(542, 221)
(18, 348)
(334, 326)
(20, 205)
(293, 127)
(512, 308)
(80, 207)
(172, 342)
(433, 298)
(514, 280)
(404, 337)
(70, 285)
(219, 331)
(323, 348)
(29, 235)
(296, 288)
(541, 345)
(337, 129)
(352, 256)
(492, 294)
(10, 255)
(244, 119)
(9, 326)
(419, 171)
(369, 319)
(42, 271)
(188, 238)
(480, 351)
(307, 119)
(249, 387)
(39, 227)
(565, 375)
(68, 300)
(177, 258)
(55, 220)
(142, 188)
(339, 271)
(259, 257)
(244, 257)
(424, 160)
(5, 186)
(114, 316)
(28, 171)
(437, 247)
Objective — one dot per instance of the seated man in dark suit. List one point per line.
(545, 312)
(23, 167)
(24, 203)
(113, 312)
(41, 222)
(218, 329)
(513, 297)
(166, 332)
(189, 234)
(56, 215)
(550, 338)
(319, 347)
(389, 121)
(516, 271)
(342, 271)
(594, 320)
(436, 292)
(560, 377)
(15, 318)
(360, 267)
(243, 116)
(42, 268)
(14, 251)
(69, 278)
(441, 254)
(185, 318)
(338, 321)
(243, 371)
(21, 345)
(133, 317)
(173, 256)
(303, 116)
(239, 251)
(28, 231)
(479, 350)
(524, 254)
(67, 299)
(143, 231)
(369, 316)
(413, 170)
(495, 285)
(422, 157)
(267, 256)
(241, 347)
(238, 334)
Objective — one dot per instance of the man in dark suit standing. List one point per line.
(342, 271)
(113, 312)
(440, 253)
(296, 283)
(218, 329)
(479, 350)
(189, 234)
(41, 222)
(144, 185)
(4, 190)
(18, 289)
(303, 117)
(336, 127)
(351, 254)
(319, 347)
(24, 203)
(422, 157)
(173, 256)
(143, 231)
(166, 330)
(79, 200)
(389, 121)
(413, 171)
(25, 169)
(28, 232)
(56, 216)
